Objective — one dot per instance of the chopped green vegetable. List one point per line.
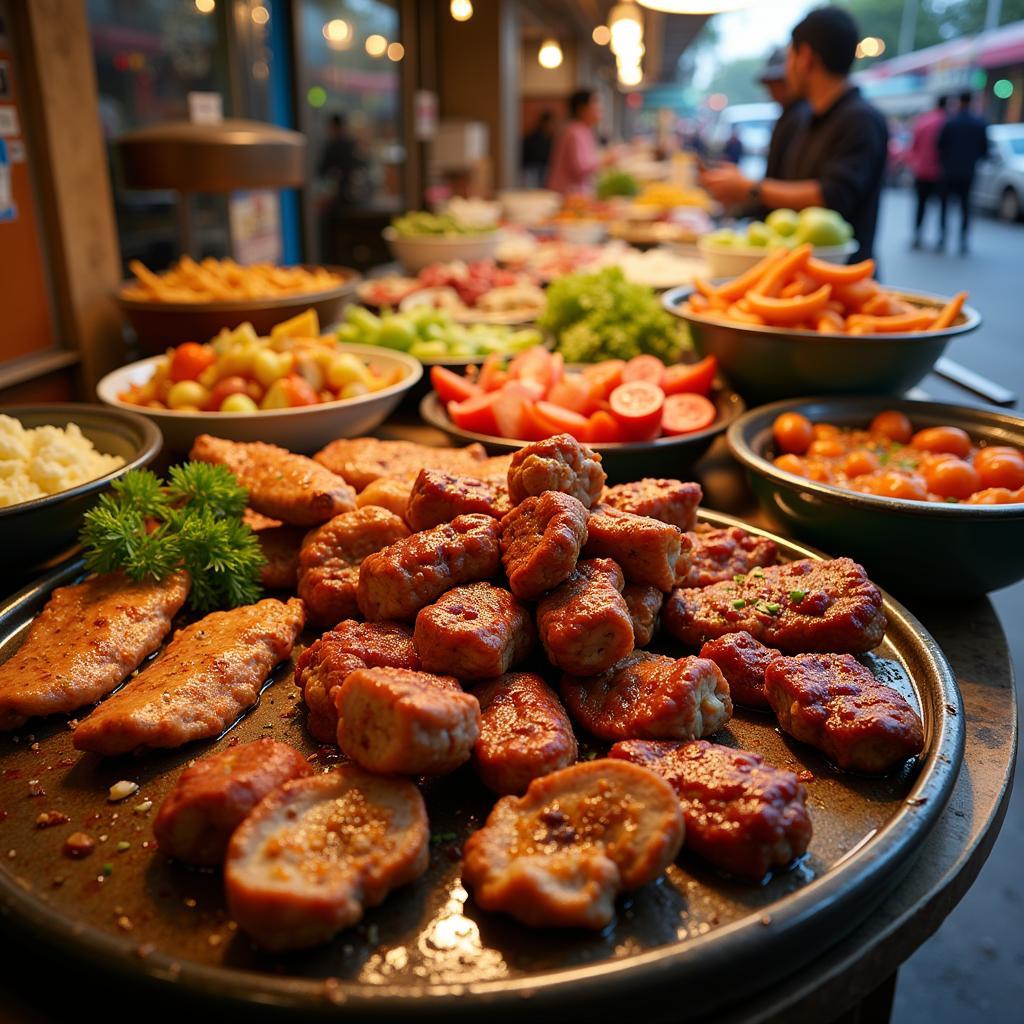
(739, 603)
(767, 607)
(739, 578)
(444, 837)
(420, 222)
(617, 183)
(796, 596)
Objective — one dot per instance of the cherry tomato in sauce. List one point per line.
(791, 464)
(910, 486)
(859, 462)
(793, 433)
(952, 478)
(942, 439)
(823, 430)
(189, 360)
(893, 425)
(993, 496)
(1000, 467)
(827, 447)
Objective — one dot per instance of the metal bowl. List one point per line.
(939, 549)
(769, 363)
(34, 532)
(622, 461)
(160, 325)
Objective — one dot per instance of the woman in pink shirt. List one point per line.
(575, 158)
(923, 161)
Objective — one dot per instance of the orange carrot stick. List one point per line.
(950, 312)
(789, 311)
(834, 273)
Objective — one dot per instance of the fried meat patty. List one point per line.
(87, 639)
(810, 605)
(474, 632)
(317, 851)
(834, 703)
(524, 732)
(327, 663)
(209, 674)
(720, 554)
(742, 660)
(559, 463)
(541, 539)
(650, 696)
(398, 722)
(361, 460)
(560, 854)
(743, 816)
(584, 623)
(671, 501)
(649, 551)
(438, 497)
(332, 554)
(390, 492)
(210, 799)
(399, 580)
(280, 545)
(644, 604)
(280, 484)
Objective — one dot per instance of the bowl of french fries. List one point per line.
(795, 325)
(195, 299)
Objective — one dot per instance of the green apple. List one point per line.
(725, 236)
(821, 227)
(782, 222)
(758, 233)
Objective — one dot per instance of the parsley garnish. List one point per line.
(796, 596)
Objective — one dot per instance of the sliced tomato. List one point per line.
(683, 414)
(604, 378)
(476, 413)
(234, 385)
(299, 391)
(645, 367)
(452, 387)
(572, 392)
(513, 412)
(637, 405)
(604, 428)
(558, 420)
(695, 378)
(493, 373)
(190, 359)
(537, 365)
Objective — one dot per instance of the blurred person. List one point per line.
(923, 160)
(836, 158)
(575, 157)
(733, 148)
(342, 164)
(537, 149)
(963, 141)
(794, 110)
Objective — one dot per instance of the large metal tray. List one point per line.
(681, 947)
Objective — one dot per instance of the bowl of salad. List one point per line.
(418, 239)
(295, 387)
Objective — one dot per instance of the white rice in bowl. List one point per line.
(46, 460)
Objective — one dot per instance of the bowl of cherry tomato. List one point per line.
(645, 418)
(928, 495)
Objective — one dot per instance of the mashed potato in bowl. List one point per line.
(46, 460)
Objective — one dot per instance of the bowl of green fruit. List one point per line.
(730, 252)
(418, 239)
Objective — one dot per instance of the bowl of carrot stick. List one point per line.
(795, 325)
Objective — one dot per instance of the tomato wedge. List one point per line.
(492, 374)
(690, 377)
(604, 378)
(637, 405)
(513, 413)
(539, 366)
(476, 413)
(451, 387)
(571, 392)
(684, 414)
(645, 367)
(604, 428)
(557, 420)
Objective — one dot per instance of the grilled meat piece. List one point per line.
(671, 501)
(742, 660)
(644, 604)
(280, 545)
(559, 463)
(650, 552)
(719, 555)
(390, 492)
(438, 497)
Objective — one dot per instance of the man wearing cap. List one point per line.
(837, 156)
(794, 110)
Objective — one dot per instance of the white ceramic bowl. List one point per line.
(583, 232)
(421, 250)
(300, 430)
(529, 206)
(733, 260)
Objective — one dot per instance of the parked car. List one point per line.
(999, 181)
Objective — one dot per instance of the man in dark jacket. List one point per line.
(963, 141)
(794, 111)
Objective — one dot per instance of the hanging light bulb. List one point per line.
(461, 10)
(338, 33)
(626, 24)
(695, 6)
(550, 54)
(630, 75)
(601, 35)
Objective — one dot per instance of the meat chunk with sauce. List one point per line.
(210, 673)
(280, 545)
(327, 663)
(584, 623)
(317, 852)
(649, 551)
(644, 604)
(85, 642)
(398, 722)
(474, 632)
(211, 799)
(836, 704)
(559, 463)
(438, 497)
(650, 696)
(280, 484)
(332, 554)
(672, 501)
(390, 492)
(541, 539)
(810, 605)
(720, 554)
(361, 460)
(399, 580)
(559, 855)
(743, 661)
(524, 732)
(744, 816)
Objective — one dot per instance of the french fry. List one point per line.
(789, 311)
(949, 312)
(738, 286)
(772, 281)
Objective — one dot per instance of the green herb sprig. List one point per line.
(148, 529)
